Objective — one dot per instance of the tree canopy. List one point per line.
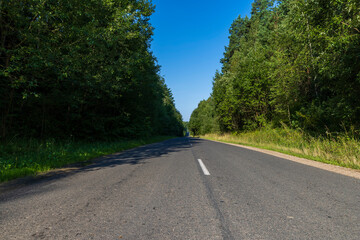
(82, 69)
(295, 62)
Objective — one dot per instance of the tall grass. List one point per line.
(22, 158)
(340, 149)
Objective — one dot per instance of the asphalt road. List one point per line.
(160, 191)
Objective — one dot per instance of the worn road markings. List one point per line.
(202, 165)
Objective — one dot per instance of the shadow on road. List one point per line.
(133, 157)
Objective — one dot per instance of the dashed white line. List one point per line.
(202, 165)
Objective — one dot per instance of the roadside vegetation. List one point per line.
(290, 81)
(23, 158)
(79, 70)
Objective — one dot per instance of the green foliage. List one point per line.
(81, 69)
(202, 120)
(295, 62)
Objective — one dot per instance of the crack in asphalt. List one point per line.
(225, 231)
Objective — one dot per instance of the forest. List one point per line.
(75, 69)
(77, 81)
(293, 63)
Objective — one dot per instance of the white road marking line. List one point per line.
(202, 165)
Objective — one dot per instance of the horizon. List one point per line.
(188, 50)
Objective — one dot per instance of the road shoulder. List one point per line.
(328, 167)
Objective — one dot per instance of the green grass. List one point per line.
(342, 150)
(23, 158)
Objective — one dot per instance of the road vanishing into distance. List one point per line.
(184, 188)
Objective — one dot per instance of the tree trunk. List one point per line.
(9, 105)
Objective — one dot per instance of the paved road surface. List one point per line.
(161, 192)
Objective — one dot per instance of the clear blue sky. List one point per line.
(189, 41)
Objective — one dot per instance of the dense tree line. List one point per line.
(83, 69)
(203, 118)
(295, 62)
